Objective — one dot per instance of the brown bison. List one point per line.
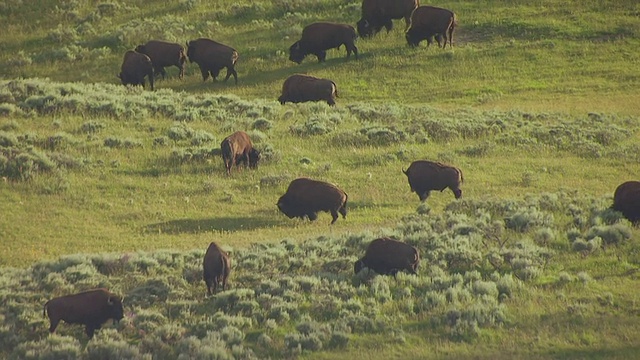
(626, 199)
(319, 37)
(237, 148)
(216, 268)
(387, 256)
(425, 176)
(90, 308)
(163, 54)
(135, 66)
(430, 21)
(212, 57)
(305, 197)
(301, 88)
(379, 13)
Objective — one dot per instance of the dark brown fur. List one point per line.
(301, 88)
(430, 21)
(387, 256)
(164, 54)
(212, 57)
(626, 199)
(306, 197)
(135, 66)
(90, 308)
(319, 37)
(237, 148)
(216, 268)
(425, 176)
(377, 14)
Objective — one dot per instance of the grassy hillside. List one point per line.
(104, 185)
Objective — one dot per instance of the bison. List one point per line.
(305, 197)
(626, 199)
(212, 57)
(430, 21)
(387, 256)
(379, 13)
(135, 66)
(90, 308)
(425, 176)
(237, 148)
(319, 37)
(216, 267)
(301, 88)
(163, 54)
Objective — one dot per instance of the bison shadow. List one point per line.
(194, 226)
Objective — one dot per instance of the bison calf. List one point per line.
(164, 54)
(135, 66)
(90, 308)
(301, 88)
(425, 176)
(216, 268)
(211, 57)
(430, 21)
(319, 37)
(306, 197)
(387, 256)
(237, 148)
(626, 199)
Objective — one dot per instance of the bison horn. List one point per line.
(110, 301)
(297, 46)
(405, 172)
(365, 23)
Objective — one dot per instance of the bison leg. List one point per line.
(205, 73)
(54, 324)
(388, 25)
(424, 195)
(334, 215)
(90, 330)
(350, 48)
(312, 216)
(343, 211)
(231, 71)
(322, 56)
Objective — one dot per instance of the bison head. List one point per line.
(115, 306)
(254, 157)
(365, 29)
(413, 39)
(285, 207)
(296, 54)
(358, 265)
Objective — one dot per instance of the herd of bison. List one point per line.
(304, 197)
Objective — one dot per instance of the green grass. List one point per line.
(535, 101)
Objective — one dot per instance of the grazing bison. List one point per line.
(216, 267)
(379, 13)
(305, 197)
(626, 199)
(90, 308)
(237, 148)
(319, 37)
(425, 176)
(301, 88)
(163, 54)
(135, 66)
(387, 256)
(429, 21)
(212, 57)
